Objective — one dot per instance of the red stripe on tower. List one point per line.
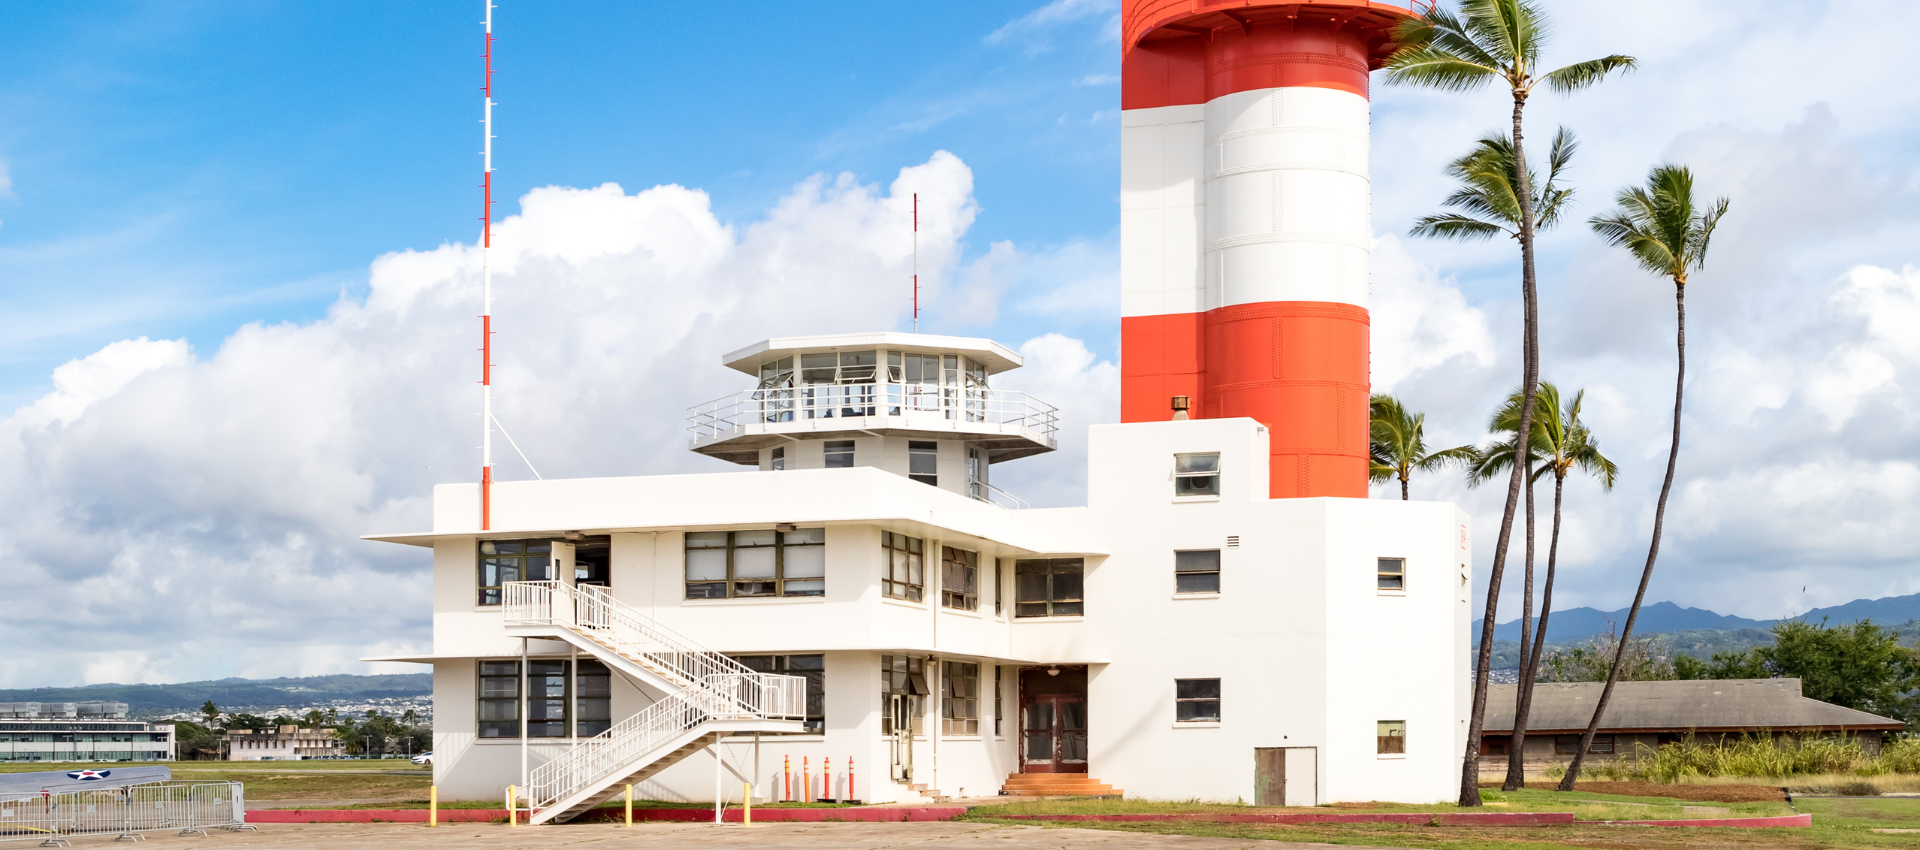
(1244, 222)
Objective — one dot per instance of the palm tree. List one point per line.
(1498, 458)
(1561, 444)
(1398, 445)
(410, 717)
(1488, 194)
(314, 716)
(1667, 234)
(1495, 40)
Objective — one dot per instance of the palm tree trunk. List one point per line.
(1516, 767)
(1523, 701)
(1653, 549)
(1403, 487)
(1530, 371)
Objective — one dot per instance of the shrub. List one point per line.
(1763, 755)
(1857, 789)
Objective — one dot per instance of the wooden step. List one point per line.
(1056, 785)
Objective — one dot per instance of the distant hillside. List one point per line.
(236, 692)
(1576, 624)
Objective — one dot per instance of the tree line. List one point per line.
(374, 734)
(1660, 224)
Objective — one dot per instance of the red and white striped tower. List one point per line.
(1245, 222)
(486, 285)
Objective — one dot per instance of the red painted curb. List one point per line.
(1416, 818)
(1744, 823)
(731, 815)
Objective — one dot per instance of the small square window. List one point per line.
(839, 454)
(1196, 571)
(1392, 737)
(1196, 700)
(1196, 474)
(1392, 574)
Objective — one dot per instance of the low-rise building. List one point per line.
(84, 731)
(1648, 714)
(286, 743)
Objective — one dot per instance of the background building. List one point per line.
(84, 731)
(285, 743)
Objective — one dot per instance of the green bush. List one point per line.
(1902, 756)
(1762, 755)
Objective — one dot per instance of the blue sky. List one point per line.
(236, 257)
(182, 168)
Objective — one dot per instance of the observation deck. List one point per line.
(912, 386)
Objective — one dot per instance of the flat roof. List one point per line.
(997, 358)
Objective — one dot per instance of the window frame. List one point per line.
(1385, 742)
(781, 583)
(1184, 478)
(999, 707)
(1566, 745)
(835, 450)
(590, 699)
(1050, 568)
(913, 551)
(482, 699)
(919, 450)
(999, 587)
(959, 697)
(815, 718)
(1190, 695)
(1382, 576)
(1179, 573)
(522, 553)
(777, 459)
(905, 676)
(967, 572)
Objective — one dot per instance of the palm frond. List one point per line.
(1580, 75)
(1659, 223)
(1454, 226)
(1429, 67)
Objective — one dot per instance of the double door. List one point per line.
(1053, 734)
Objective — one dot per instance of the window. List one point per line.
(999, 584)
(905, 576)
(1196, 571)
(1196, 474)
(1196, 700)
(593, 560)
(839, 454)
(960, 698)
(976, 473)
(777, 459)
(1566, 745)
(905, 677)
(502, 561)
(997, 690)
(499, 699)
(959, 578)
(723, 564)
(1391, 739)
(1495, 745)
(1393, 574)
(1048, 588)
(593, 698)
(812, 668)
(546, 699)
(923, 461)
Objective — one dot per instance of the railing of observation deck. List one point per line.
(933, 406)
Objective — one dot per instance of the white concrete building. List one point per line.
(284, 743)
(1183, 635)
(83, 731)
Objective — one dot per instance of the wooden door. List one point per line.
(1269, 776)
(1054, 734)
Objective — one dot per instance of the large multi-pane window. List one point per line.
(551, 705)
(812, 668)
(1048, 587)
(502, 561)
(999, 585)
(998, 712)
(959, 578)
(499, 699)
(1196, 571)
(906, 569)
(903, 683)
(960, 698)
(762, 562)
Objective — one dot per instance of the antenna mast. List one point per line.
(916, 262)
(486, 287)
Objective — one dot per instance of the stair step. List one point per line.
(1056, 785)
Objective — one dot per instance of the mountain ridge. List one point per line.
(1575, 624)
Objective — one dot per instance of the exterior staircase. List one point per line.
(1056, 785)
(708, 695)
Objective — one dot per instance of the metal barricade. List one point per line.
(125, 812)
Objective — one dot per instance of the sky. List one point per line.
(237, 256)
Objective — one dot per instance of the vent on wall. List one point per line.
(1233, 541)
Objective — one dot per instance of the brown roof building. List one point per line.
(1655, 713)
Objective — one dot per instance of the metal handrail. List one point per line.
(922, 404)
(985, 492)
(612, 750)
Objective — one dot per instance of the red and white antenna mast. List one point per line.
(916, 262)
(486, 287)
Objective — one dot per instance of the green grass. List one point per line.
(1583, 805)
(1837, 824)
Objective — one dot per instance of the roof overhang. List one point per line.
(996, 357)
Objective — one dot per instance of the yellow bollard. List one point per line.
(433, 805)
(746, 803)
(629, 805)
(511, 819)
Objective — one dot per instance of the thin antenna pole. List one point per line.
(486, 287)
(916, 262)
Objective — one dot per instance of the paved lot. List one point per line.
(835, 836)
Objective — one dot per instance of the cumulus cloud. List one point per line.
(198, 516)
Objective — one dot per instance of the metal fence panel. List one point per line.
(125, 811)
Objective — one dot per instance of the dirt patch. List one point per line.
(1704, 793)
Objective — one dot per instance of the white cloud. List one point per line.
(1035, 28)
